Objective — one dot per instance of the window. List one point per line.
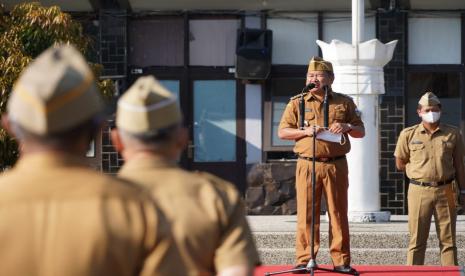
(339, 26)
(446, 85)
(284, 83)
(294, 38)
(434, 55)
(215, 120)
(156, 42)
(172, 86)
(212, 42)
(434, 38)
(281, 91)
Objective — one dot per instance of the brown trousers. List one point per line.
(332, 180)
(424, 202)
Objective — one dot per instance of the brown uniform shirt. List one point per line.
(429, 157)
(206, 212)
(57, 217)
(341, 110)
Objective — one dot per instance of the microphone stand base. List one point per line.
(311, 268)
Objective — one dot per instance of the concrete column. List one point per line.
(358, 73)
(253, 123)
(253, 110)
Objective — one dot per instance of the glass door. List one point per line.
(214, 144)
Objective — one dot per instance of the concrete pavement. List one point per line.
(371, 243)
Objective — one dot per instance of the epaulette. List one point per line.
(449, 126)
(410, 128)
(298, 96)
(344, 95)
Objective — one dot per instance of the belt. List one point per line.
(323, 159)
(431, 184)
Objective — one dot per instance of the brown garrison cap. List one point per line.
(429, 99)
(318, 64)
(147, 107)
(55, 93)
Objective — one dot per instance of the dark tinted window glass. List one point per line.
(281, 91)
(156, 42)
(446, 85)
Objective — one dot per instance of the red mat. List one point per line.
(377, 270)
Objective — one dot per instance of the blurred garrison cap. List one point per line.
(55, 93)
(147, 107)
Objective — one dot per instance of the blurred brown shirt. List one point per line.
(57, 217)
(207, 214)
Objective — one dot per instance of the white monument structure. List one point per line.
(358, 69)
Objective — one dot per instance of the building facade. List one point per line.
(191, 48)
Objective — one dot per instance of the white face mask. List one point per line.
(431, 117)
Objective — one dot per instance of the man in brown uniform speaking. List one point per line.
(57, 216)
(331, 164)
(206, 212)
(431, 153)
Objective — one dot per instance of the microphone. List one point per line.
(308, 87)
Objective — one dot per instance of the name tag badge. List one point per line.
(416, 142)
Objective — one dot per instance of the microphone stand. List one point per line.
(312, 265)
(302, 108)
(325, 108)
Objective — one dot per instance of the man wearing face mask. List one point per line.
(431, 154)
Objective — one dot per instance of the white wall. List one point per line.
(294, 38)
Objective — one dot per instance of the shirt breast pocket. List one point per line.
(309, 118)
(417, 152)
(446, 148)
(338, 114)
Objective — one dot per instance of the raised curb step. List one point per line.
(371, 243)
(357, 240)
(360, 256)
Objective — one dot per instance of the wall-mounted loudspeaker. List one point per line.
(253, 54)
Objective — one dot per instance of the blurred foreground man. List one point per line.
(431, 153)
(57, 216)
(206, 212)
